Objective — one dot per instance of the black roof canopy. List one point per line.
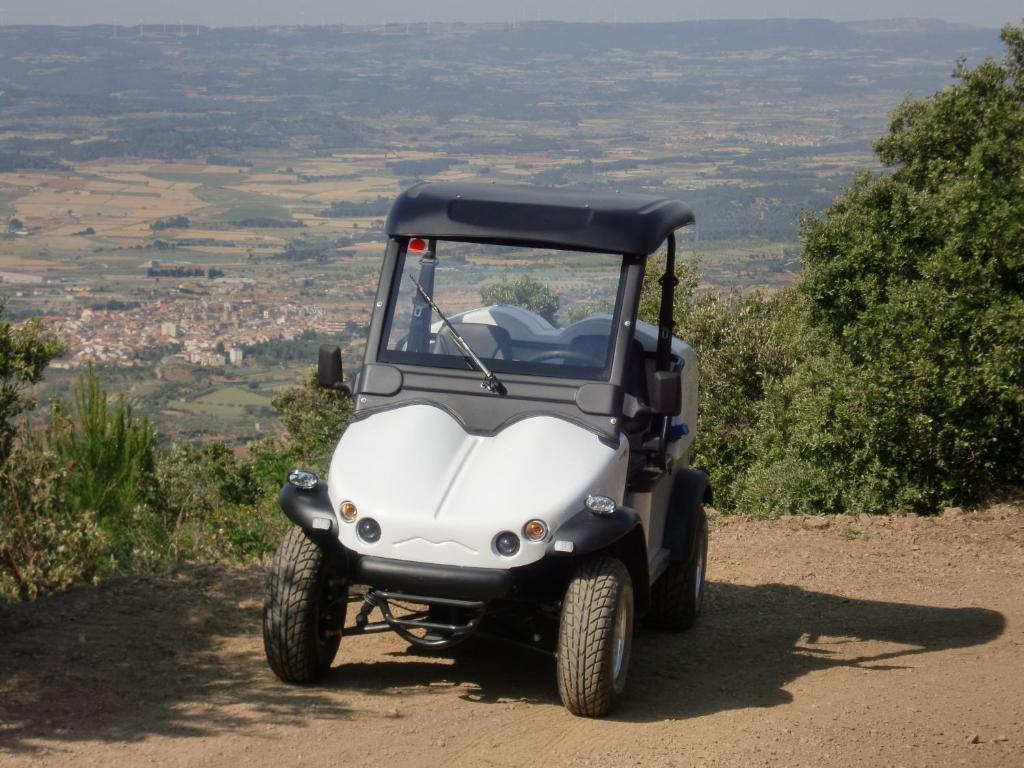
(557, 218)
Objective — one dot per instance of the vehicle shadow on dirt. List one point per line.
(175, 656)
(181, 656)
(750, 643)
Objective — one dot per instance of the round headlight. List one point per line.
(304, 479)
(535, 530)
(368, 530)
(600, 505)
(348, 511)
(507, 543)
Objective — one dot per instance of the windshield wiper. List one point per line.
(490, 382)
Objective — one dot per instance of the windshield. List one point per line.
(520, 310)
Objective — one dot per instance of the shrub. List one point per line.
(24, 354)
(109, 455)
(524, 291)
(915, 280)
(45, 544)
(742, 341)
(315, 418)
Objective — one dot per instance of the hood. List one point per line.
(441, 495)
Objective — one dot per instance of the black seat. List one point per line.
(592, 345)
(487, 341)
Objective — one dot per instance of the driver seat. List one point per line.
(488, 341)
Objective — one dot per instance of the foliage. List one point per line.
(524, 291)
(742, 342)
(169, 222)
(315, 418)
(215, 506)
(915, 281)
(109, 455)
(589, 309)
(45, 545)
(24, 353)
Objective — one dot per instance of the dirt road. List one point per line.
(856, 643)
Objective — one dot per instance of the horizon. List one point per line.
(369, 25)
(323, 13)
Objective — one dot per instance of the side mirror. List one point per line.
(667, 392)
(328, 371)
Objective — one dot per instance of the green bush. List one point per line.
(45, 544)
(109, 454)
(24, 354)
(315, 419)
(215, 507)
(524, 291)
(914, 282)
(743, 342)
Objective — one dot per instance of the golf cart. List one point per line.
(519, 468)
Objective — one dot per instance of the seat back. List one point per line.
(487, 341)
(594, 346)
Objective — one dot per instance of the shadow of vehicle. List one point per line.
(181, 656)
(751, 642)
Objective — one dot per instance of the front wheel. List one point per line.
(595, 637)
(303, 611)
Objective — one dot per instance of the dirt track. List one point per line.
(863, 642)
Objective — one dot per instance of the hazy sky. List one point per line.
(255, 12)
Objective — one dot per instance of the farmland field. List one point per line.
(233, 192)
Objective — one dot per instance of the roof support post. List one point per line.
(668, 282)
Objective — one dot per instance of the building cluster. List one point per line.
(204, 332)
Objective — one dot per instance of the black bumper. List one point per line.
(444, 581)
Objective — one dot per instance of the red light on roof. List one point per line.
(417, 245)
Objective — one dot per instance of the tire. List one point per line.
(595, 636)
(678, 595)
(303, 611)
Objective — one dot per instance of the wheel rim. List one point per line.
(620, 635)
(698, 585)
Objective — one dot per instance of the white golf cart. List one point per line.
(519, 467)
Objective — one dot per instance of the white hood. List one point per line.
(442, 495)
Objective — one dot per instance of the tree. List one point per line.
(913, 285)
(109, 453)
(315, 419)
(526, 292)
(24, 354)
(742, 343)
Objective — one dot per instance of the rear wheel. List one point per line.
(595, 637)
(678, 595)
(303, 611)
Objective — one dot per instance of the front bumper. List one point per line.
(443, 581)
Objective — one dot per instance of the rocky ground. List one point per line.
(839, 642)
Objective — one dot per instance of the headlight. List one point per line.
(535, 530)
(507, 543)
(600, 505)
(368, 530)
(304, 479)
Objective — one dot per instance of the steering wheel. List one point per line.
(565, 354)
